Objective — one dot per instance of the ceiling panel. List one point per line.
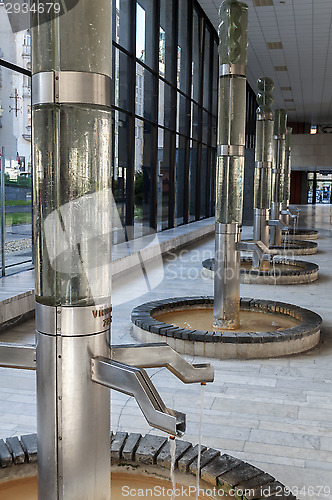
(304, 29)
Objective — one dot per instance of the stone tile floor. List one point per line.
(274, 413)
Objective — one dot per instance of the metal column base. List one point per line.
(275, 231)
(226, 313)
(261, 233)
(73, 412)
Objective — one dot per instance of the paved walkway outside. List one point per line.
(275, 413)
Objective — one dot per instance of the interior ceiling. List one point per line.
(304, 29)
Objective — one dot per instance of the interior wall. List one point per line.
(299, 188)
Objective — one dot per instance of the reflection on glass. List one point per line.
(180, 179)
(121, 22)
(15, 46)
(183, 59)
(15, 138)
(196, 63)
(120, 169)
(215, 80)
(166, 40)
(144, 105)
(140, 33)
(193, 180)
(143, 176)
(165, 105)
(145, 40)
(164, 156)
(203, 181)
(182, 124)
(207, 74)
(121, 79)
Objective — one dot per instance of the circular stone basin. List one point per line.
(268, 328)
(27, 489)
(144, 462)
(295, 247)
(301, 234)
(282, 272)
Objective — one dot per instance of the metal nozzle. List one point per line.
(288, 212)
(135, 382)
(260, 251)
(161, 354)
(277, 223)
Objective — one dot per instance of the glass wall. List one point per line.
(15, 146)
(169, 48)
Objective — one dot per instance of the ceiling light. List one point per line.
(274, 45)
(280, 68)
(263, 3)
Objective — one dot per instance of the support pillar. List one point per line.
(278, 172)
(71, 102)
(263, 163)
(230, 161)
(288, 169)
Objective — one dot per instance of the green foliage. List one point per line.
(14, 203)
(20, 182)
(17, 218)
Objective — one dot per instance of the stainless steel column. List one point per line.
(278, 172)
(263, 163)
(71, 85)
(288, 168)
(230, 161)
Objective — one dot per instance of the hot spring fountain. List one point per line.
(226, 325)
(263, 266)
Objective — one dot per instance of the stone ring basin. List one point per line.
(283, 272)
(290, 247)
(301, 234)
(268, 328)
(141, 464)
(295, 247)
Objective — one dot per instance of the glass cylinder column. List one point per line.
(263, 163)
(230, 161)
(278, 172)
(288, 168)
(71, 83)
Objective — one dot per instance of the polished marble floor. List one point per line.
(274, 413)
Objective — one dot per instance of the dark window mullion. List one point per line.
(172, 166)
(130, 180)
(201, 35)
(209, 153)
(188, 112)
(154, 152)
